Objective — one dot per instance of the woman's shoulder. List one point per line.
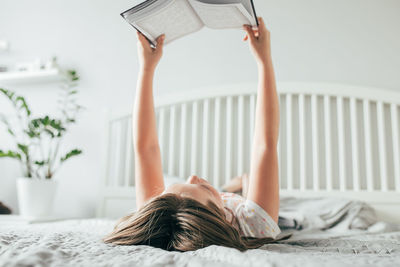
(251, 218)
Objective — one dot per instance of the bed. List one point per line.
(77, 243)
(339, 176)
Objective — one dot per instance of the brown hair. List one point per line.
(176, 223)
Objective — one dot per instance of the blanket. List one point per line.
(325, 213)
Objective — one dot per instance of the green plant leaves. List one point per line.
(10, 132)
(23, 148)
(72, 75)
(18, 101)
(41, 162)
(23, 105)
(10, 154)
(53, 127)
(72, 153)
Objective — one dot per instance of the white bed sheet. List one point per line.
(78, 243)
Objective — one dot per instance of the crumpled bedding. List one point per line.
(325, 213)
(78, 243)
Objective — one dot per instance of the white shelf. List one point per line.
(29, 77)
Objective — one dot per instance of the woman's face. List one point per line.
(198, 189)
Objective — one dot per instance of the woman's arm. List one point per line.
(264, 177)
(148, 170)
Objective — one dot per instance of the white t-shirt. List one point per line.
(252, 220)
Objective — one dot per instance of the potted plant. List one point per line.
(37, 146)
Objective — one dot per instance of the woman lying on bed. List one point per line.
(194, 215)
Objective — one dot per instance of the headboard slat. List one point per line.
(354, 143)
(228, 146)
(395, 140)
(217, 143)
(171, 146)
(252, 116)
(289, 143)
(252, 107)
(161, 131)
(182, 142)
(206, 138)
(367, 144)
(302, 142)
(240, 135)
(341, 142)
(328, 142)
(194, 141)
(382, 146)
(315, 142)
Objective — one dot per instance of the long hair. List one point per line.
(176, 223)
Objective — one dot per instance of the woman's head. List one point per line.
(176, 223)
(184, 217)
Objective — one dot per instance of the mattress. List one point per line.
(78, 243)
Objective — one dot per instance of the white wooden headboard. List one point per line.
(335, 140)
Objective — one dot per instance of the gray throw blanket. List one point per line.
(324, 213)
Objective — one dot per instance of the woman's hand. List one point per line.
(259, 41)
(148, 56)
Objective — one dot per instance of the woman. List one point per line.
(194, 215)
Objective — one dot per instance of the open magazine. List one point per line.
(177, 18)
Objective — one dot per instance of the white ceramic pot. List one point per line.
(36, 197)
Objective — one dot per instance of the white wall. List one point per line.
(354, 42)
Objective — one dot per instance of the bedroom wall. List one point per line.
(354, 42)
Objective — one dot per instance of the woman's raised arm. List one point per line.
(148, 170)
(264, 176)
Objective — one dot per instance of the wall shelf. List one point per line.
(29, 77)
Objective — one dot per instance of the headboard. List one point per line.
(335, 140)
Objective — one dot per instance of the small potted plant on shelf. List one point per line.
(37, 147)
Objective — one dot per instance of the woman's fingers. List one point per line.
(254, 29)
(160, 41)
(139, 36)
(261, 25)
(142, 40)
(249, 32)
(260, 21)
(256, 32)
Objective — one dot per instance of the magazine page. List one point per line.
(246, 3)
(175, 20)
(222, 16)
